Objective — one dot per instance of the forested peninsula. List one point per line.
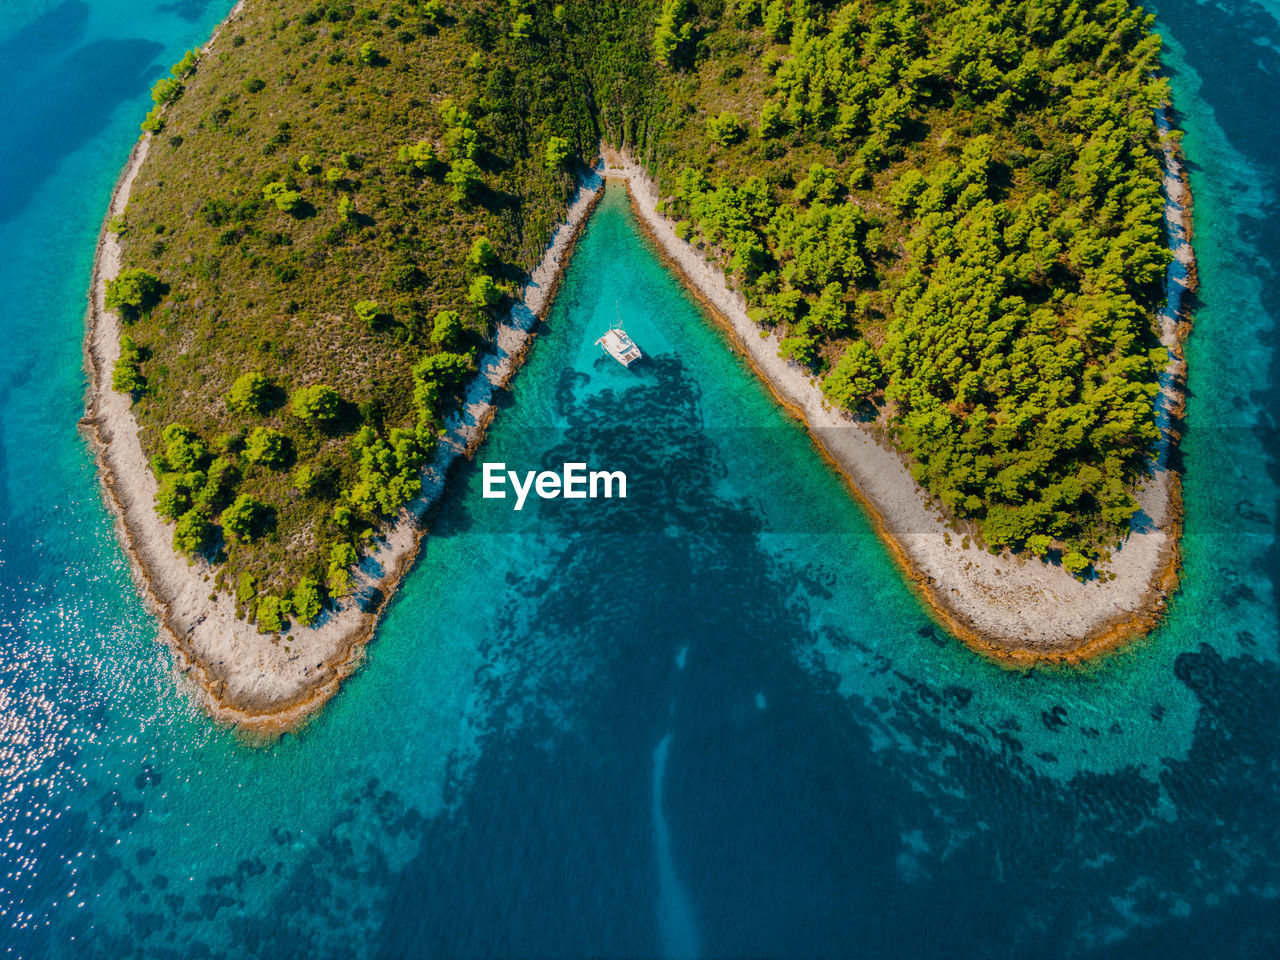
(334, 236)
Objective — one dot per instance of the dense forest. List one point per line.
(951, 212)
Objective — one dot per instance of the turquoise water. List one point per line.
(706, 720)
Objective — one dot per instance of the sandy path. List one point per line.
(1020, 610)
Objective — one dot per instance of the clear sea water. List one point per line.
(709, 720)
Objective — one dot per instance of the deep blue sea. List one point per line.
(709, 720)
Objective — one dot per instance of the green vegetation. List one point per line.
(249, 394)
(341, 197)
(132, 292)
(318, 404)
(126, 375)
(950, 213)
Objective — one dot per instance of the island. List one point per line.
(954, 242)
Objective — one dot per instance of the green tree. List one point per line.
(186, 64)
(307, 600)
(672, 33)
(126, 374)
(181, 450)
(725, 129)
(285, 199)
(483, 292)
(802, 350)
(267, 447)
(342, 556)
(464, 178)
(482, 256)
(317, 403)
(192, 533)
(246, 519)
(134, 291)
(557, 152)
(855, 379)
(271, 614)
(369, 53)
(1076, 563)
(250, 393)
(445, 330)
(305, 479)
(368, 311)
(173, 496)
(166, 90)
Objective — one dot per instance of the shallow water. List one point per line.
(707, 720)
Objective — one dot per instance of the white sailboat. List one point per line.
(618, 345)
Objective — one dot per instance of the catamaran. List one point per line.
(618, 345)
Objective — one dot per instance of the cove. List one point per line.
(708, 719)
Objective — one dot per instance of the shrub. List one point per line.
(254, 85)
(369, 53)
(267, 447)
(405, 277)
(319, 403)
(249, 394)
